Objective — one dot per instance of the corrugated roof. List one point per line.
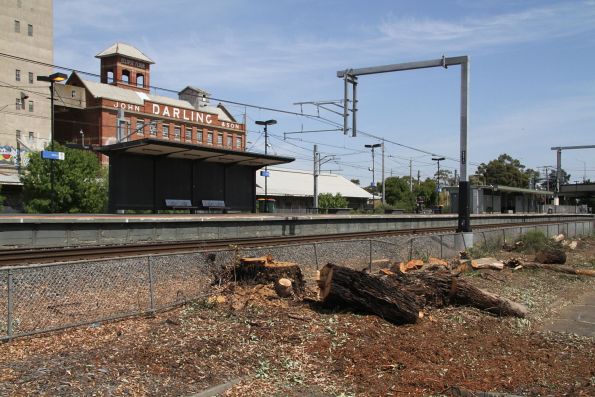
(108, 91)
(124, 49)
(286, 182)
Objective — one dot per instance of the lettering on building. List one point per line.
(133, 63)
(127, 106)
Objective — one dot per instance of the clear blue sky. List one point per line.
(532, 71)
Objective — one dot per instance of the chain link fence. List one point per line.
(43, 298)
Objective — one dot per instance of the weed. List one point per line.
(533, 241)
(262, 372)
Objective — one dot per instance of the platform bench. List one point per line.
(177, 204)
(218, 205)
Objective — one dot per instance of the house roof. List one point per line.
(108, 91)
(124, 49)
(287, 182)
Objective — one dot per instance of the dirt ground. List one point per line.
(280, 347)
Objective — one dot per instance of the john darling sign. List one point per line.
(179, 113)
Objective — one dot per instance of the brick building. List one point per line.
(121, 108)
(160, 150)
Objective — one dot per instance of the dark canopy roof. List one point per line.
(157, 147)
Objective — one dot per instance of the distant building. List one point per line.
(293, 189)
(120, 108)
(500, 199)
(26, 33)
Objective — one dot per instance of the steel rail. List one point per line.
(25, 256)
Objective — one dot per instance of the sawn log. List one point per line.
(399, 298)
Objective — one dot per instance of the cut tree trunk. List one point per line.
(551, 255)
(399, 297)
(264, 270)
(341, 286)
(283, 287)
(560, 269)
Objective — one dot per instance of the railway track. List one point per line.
(20, 256)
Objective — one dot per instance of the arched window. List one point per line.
(110, 76)
(126, 76)
(140, 80)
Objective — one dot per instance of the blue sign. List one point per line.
(266, 174)
(46, 154)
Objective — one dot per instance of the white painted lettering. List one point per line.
(209, 119)
(184, 115)
(177, 113)
(165, 111)
(200, 117)
(155, 108)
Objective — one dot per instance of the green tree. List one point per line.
(327, 200)
(356, 181)
(80, 183)
(427, 190)
(398, 194)
(502, 171)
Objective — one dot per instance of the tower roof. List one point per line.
(126, 50)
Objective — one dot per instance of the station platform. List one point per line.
(67, 230)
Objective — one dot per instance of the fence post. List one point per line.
(464, 242)
(503, 236)
(315, 255)
(441, 246)
(411, 248)
(370, 264)
(485, 240)
(151, 290)
(9, 291)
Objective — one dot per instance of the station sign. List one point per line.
(266, 174)
(46, 154)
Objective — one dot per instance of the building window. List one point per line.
(126, 76)
(165, 131)
(229, 141)
(210, 137)
(30, 30)
(238, 142)
(153, 128)
(31, 136)
(140, 80)
(110, 77)
(199, 135)
(30, 77)
(220, 139)
(17, 26)
(17, 75)
(18, 134)
(177, 131)
(73, 94)
(188, 133)
(19, 104)
(30, 106)
(140, 127)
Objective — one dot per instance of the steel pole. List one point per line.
(266, 170)
(315, 202)
(53, 198)
(464, 220)
(383, 184)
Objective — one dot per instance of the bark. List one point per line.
(551, 255)
(399, 298)
(560, 269)
(264, 270)
(341, 286)
(283, 287)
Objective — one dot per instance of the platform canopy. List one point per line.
(186, 151)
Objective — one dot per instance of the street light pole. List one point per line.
(266, 168)
(438, 159)
(374, 146)
(52, 79)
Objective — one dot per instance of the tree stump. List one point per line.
(264, 270)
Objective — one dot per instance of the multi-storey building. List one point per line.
(26, 51)
(121, 108)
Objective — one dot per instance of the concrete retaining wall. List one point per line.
(67, 231)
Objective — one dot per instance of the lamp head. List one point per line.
(267, 122)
